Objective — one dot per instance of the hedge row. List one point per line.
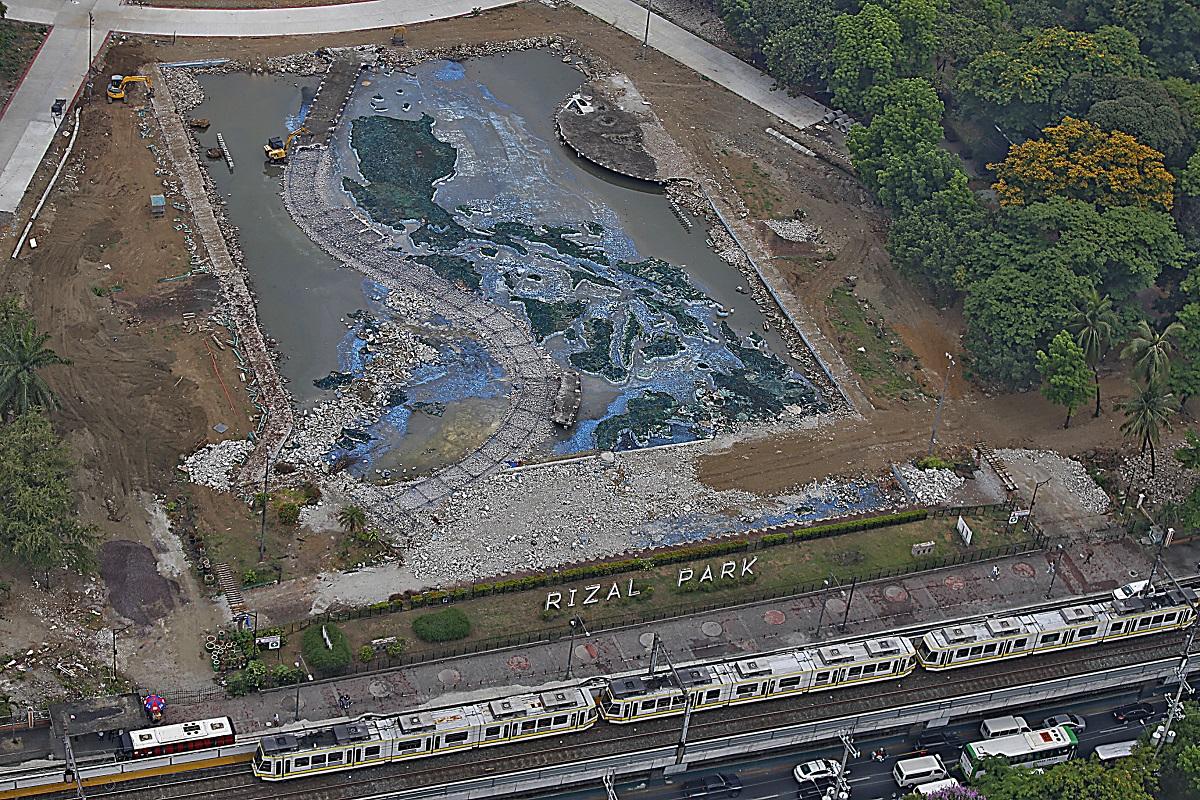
(674, 556)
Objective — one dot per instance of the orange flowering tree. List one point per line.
(1079, 160)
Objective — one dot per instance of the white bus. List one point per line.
(1031, 749)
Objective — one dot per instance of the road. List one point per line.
(770, 777)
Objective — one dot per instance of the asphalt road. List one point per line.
(769, 777)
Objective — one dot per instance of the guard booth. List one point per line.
(158, 205)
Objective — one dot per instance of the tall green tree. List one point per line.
(798, 51)
(38, 523)
(1092, 326)
(918, 33)
(1065, 373)
(352, 519)
(866, 53)
(23, 355)
(1185, 368)
(934, 240)
(1147, 414)
(1150, 350)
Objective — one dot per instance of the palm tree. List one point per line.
(22, 354)
(352, 519)
(1147, 414)
(1092, 328)
(1150, 351)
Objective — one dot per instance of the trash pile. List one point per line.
(932, 487)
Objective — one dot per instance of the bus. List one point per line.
(1031, 749)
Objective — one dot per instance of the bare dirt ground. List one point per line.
(144, 390)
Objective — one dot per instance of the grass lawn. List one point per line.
(872, 349)
(19, 41)
(786, 568)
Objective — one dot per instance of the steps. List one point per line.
(994, 461)
(229, 586)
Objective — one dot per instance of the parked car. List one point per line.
(722, 784)
(938, 742)
(1070, 720)
(820, 769)
(1129, 590)
(1133, 712)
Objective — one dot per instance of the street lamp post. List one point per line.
(300, 682)
(646, 38)
(937, 415)
(1033, 502)
(576, 625)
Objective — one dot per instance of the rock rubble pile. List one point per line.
(932, 487)
(214, 465)
(794, 230)
(1066, 473)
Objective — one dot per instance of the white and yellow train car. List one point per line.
(419, 734)
(630, 698)
(970, 644)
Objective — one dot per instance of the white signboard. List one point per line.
(269, 642)
(1015, 516)
(964, 530)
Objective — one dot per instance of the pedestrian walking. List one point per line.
(1090, 553)
(995, 572)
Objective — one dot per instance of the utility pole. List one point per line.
(841, 788)
(1053, 569)
(71, 766)
(646, 38)
(1033, 502)
(576, 625)
(937, 416)
(849, 600)
(655, 648)
(1163, 733)
(262, 530)
(609, 790)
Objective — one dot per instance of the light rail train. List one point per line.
(633, 697)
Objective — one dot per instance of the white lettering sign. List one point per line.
(964, 531)
(591, 595)
(727, 571)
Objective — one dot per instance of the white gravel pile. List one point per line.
(537, 518)
(1067, 473)
(213, 464)
(1171, 483)
(794, 230)
(931, 486)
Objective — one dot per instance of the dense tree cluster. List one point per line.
(38, 524)
(1095, 202)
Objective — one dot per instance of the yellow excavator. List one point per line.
(116, 86)
(277, 149)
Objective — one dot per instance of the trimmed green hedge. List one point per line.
(442, 626)
(319, 658)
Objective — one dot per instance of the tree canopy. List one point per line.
(866, 53)
(1130, 778)
(1078, 160)
(38, 526)
(933, 241)
(1066, 378)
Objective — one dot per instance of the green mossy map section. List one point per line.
(402, 160)
(645, 415)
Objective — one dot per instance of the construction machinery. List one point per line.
(116, 86)
(277, 149)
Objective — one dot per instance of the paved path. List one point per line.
(706, 59)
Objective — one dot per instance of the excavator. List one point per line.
(116, 86)
(277, 149)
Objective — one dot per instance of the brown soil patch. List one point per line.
(135, 589)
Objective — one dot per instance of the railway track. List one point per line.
(237, 783)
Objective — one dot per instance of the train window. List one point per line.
(790, 683)
(279, 767)
(401, 747)
(1143, 622)
(258, 759)
(1158, 618)
(712, 695)
(868, 669)
(543, 723)
(1117, 627)
(373, 751)
(613, 709)
(663, 702)
(963, 653)
(336, 758)
(527, 726)
(1086, 632)
(1049, 638)
(647, 705)
(318, 760)
(677, 700)
(455, 738)
(991, 648)
(1019, 644)
(746, 689)
(822, 678)
(492, 732)
(853, 672)
(300, 763)
(560, 720)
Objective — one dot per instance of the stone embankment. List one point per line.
(226, 263)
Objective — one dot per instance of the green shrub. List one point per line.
(286, 675)
(366, 653)
(310, 493)
(250, 679)
(288, 513)
(321, 659)
(397, 648)
(442, 626)
(933, 462)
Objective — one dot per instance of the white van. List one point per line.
(1003, 726)
(915, 771)
(933, 787)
